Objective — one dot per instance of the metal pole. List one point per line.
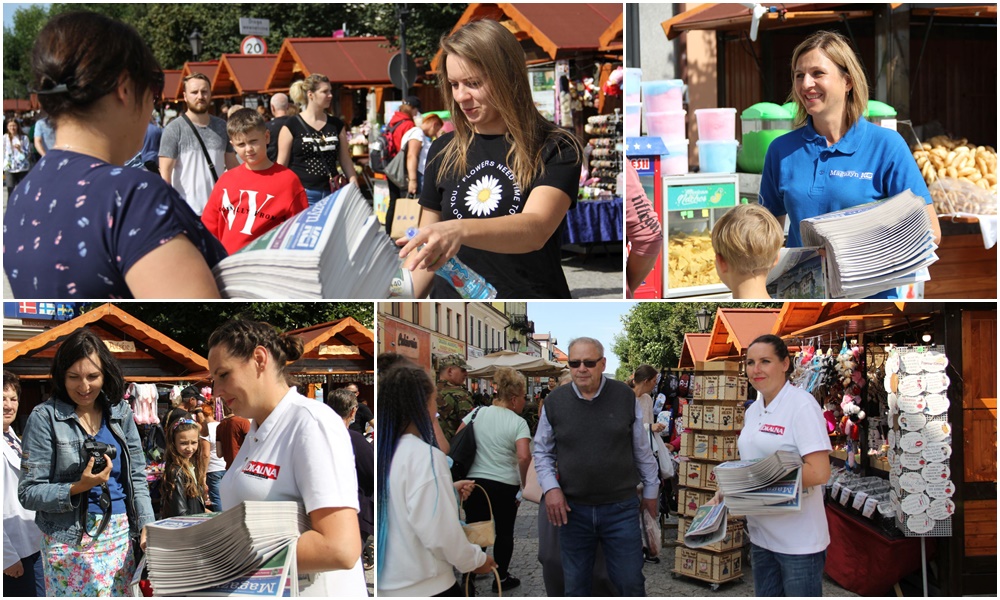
(923, 562)
(403, 12)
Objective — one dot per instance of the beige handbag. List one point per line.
(496, 574)
(482, 533)
(532, 491)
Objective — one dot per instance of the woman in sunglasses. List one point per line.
(80, 225)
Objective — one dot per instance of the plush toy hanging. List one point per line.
(853, 415)
(613, 86)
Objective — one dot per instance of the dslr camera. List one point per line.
(93, 448)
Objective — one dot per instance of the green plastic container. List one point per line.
(881, 114)
(762, 123)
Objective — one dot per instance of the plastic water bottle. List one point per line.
(469, 284)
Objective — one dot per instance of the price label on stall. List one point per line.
(870, 505)
(859, 500)
(835, 491)
(845, 496)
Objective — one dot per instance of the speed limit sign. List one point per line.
(253, 44)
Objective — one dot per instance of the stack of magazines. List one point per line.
(334, 249)
(873, 247)
(769, 485)
(246, 550)
(708, 526)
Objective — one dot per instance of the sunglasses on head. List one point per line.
(590, 364)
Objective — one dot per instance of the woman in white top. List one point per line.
(216, 467)
(297, 450)
(416, 142)
(788, 551)
(644, 380)
(420, 540)
(502, 457)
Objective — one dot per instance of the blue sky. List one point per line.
(8, 12)
(568, 320)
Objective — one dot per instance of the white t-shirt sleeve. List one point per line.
(809, 428)
(324, 466)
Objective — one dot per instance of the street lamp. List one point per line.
(515, 344)
(704, 317)
(195, 40)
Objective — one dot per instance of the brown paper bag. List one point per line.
(407, 215)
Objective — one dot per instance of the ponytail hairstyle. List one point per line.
(241, 336)
(177, 464)
(403, 393)
(644, 373)
(299, 91)
(780, 349)
(510, 385)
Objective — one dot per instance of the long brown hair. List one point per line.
(178, 464)
(496, 55)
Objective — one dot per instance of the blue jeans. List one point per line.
(616, 527)
(314, 196)
(213, 479)
(776, 574)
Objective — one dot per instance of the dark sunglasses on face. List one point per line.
(590, 364)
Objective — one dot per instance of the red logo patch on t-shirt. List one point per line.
(261, 470)
(775, 429)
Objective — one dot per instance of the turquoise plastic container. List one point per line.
(665, 95)
(717, 156)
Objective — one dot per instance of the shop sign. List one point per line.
(338, 350)
(445, 346)
(705, 196)
(476, 352)
(119, 346)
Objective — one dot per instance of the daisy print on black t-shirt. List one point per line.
(487, 190)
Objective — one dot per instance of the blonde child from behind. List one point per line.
(255, 197)
(181, 494)
(746, 240)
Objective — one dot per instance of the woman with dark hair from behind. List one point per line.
(345, 404)
(307, 445)
(80, 225)
(86, 550)
(420, 540)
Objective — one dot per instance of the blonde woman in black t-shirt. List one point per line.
(497, 189)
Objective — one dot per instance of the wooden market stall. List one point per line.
(335, 354)
(734, 329)
(241, 75)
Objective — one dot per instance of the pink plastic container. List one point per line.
(716, 124)
(676, 161)
(632, 120)
(663, 95)
(668, 125)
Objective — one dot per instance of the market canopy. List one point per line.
(735, 328)
(341, 346)
(240, 74)
(359, 61)
(803, 320)
(145, 354)
(21, 105)
(487, 365)
(611, 40)
(736, 17)
(694, 350)
(172, 90)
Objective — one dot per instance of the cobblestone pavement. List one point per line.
(659, 580)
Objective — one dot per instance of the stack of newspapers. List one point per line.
(246, 550)
(759, 487)
(334, 249)
(873, 247)
(708, 526)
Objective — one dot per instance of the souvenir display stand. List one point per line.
(713, 420)
(605, 149)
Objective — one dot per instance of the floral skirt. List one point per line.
(91, 568)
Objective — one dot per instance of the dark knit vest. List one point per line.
(593, 443)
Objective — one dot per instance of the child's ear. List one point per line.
(720, 263)
(267, 136)
(777, 257)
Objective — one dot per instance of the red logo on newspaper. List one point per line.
(775, 429)
(262, 470)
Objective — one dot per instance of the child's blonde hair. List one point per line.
(748, 238)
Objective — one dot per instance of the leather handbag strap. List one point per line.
(204, 150)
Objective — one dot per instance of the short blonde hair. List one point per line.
(748, 237)
(510, 385)
(836, 47)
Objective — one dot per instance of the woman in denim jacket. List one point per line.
(59, 481)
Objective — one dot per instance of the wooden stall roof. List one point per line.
(735, 328)
(611, 40)
(734, 17)
(21, 104)
(207, 68)
(695, 348)
(558, 355)
(156, 357)
(344, 345)
(557, 30)
(803, 320)
(172, 85)
(973, 11)
(240, 74)
(798, 315)
(346, 61)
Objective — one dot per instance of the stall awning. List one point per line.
(144, 353)
(735, 328)
(611, 40)
(346, 61)
(797, 315)
(694, 349)
(20, 105)
(341, 346)
(172, 90)
(734, 17)
(550, 31)
(240, 74)
(803, 320)
(972, 11)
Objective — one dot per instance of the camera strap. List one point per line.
(105, 504)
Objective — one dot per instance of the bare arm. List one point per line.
(523, 447)
(637, 267)
(815, 468)
(346, 162)
(174, 270)
(284, 146)
(525, 232)
(422, 280)
(412, 160)
(333, 544)
(39, 146)
(935, 224)
(167, 169)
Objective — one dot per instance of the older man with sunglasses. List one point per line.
(590, 453)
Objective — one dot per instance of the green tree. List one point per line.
(17, 42)
(653, 332)
(191, 323)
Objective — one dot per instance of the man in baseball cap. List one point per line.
(454, 400)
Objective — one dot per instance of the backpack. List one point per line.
(383, 149)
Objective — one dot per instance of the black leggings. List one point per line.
(504, 499)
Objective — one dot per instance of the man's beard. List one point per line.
(198, 110)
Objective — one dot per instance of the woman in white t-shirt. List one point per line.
(216, 468)
(502, 457)
(416, 142)
(297, 450)
(788, 551)
(420, 540)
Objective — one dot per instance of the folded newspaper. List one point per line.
(873, 247)
(765, 486)
(246, 550)
(334, 249)
(708, 526)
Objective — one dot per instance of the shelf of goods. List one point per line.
(713, 419)
(605, 151)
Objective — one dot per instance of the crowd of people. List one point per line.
(77, 498)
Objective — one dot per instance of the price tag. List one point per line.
(845, 495)
(859, 500)
(912, 461)
(870, 505)
(912, 385)
(835, 491)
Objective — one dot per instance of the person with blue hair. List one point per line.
(419, 537)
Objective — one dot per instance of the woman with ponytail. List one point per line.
(301, 446)
(420, 540)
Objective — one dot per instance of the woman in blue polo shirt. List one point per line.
(836, 159)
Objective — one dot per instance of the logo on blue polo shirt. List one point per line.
(851, 174)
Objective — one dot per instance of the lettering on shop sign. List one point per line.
(775, 429)
(261, 470)
(119, 346)
(406, 341)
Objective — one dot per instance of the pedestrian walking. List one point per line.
(16, 155)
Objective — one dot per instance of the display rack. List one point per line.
(713, 419)
(605, 143)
